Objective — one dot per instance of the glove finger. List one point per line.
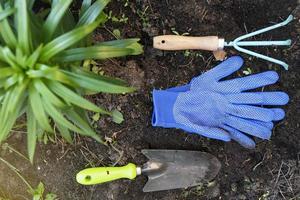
(268, 125)
(248, 82)
(251, 112)
(209, 132)
(259, 98)
(279, 114)
(240, 137)
(225, 68)
(248, 127)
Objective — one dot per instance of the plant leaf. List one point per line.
(92, 13)
(11, 81)
(120, 43)
(54, 18)
(58, 117)
(125, 43)
(11, 109)
(117, 116)
(82, 80)
(81, 71)
(67, 23)
(84, 6)
(31, 133)
(97, 85)
(68, 39)
(87, 130)
(36, 24)
(30, 62)
(72, 97)
(47, 94)
(9, 58)
(38, 109)
(6, 71)
(30, 4)
(65, 133)
(7, 12)
(94, 52)
(52, 73)
(7, 33)
(4, 115)
(24, 35)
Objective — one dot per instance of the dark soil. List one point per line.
(271, 171)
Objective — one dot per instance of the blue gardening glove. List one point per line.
(213, 114)
(229, 111)
(210, 81)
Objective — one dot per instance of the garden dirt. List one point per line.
(270, 171)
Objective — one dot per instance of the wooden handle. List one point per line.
(176, 42)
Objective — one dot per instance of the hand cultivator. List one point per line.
(213, 43)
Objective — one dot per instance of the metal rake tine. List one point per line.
(262, 43)
(285, 22)
(279, 62)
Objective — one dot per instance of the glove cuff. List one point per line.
(163, 103)
(182, 88)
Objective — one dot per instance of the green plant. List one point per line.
(177, 33)
(248, 71)
(41, 73)
(144, 17)
(113, 18)
(39, 193)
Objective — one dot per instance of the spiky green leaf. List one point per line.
(24, 33)
(38, 109)
(125, 43)
(7, 12)
(70, 96)
(77, 119)
(98, 85)
(6, 71)
(10, 58)
(31, 133)
(54, 18)
(58, 117)
(33, 58)
(65, 133)
(47, 94)
(6, 32)
(11, 108)
(62, 42)
(94, 52)
(67, 24)
(93, 12)
(84, 6)
(30, 3)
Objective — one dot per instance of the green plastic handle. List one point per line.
(98, 175)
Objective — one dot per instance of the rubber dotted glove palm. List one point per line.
(221, 109)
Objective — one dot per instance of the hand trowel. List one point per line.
(166, 169)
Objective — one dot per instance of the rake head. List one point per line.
(238, 43)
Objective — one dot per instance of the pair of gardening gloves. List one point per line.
(222, 109)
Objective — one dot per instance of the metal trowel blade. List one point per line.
(172, 169)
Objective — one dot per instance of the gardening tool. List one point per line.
(214, 43)
(166, 169)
